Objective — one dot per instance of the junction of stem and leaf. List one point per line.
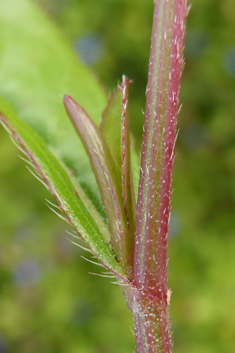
(144, 256)
(135, 245)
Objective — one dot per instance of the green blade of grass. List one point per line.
(55, 178)
(104, 170)
(116, 131)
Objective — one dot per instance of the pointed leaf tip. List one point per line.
(70, 106)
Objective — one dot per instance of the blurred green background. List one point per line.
(49, 303)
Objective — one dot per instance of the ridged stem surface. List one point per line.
(150, 303)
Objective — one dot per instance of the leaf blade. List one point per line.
(60, 186)
(110, 127)
(128, 195)
(105, 173)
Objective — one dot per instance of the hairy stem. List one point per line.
(151, 317)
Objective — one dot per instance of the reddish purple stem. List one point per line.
(153, 207)
(159, 136)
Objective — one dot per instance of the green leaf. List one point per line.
(59, 184)
(127, 180)
(37, 67)
(110, 127)
(104, 170)
(116, 131)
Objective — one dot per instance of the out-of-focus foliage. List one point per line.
(48, 301)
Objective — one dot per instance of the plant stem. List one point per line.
(149, 301)
(151, 321)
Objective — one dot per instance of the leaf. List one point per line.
(127, 180)
(60, 186)
(116, 131)
(37, 67)
(104, 170)
(110, 127)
